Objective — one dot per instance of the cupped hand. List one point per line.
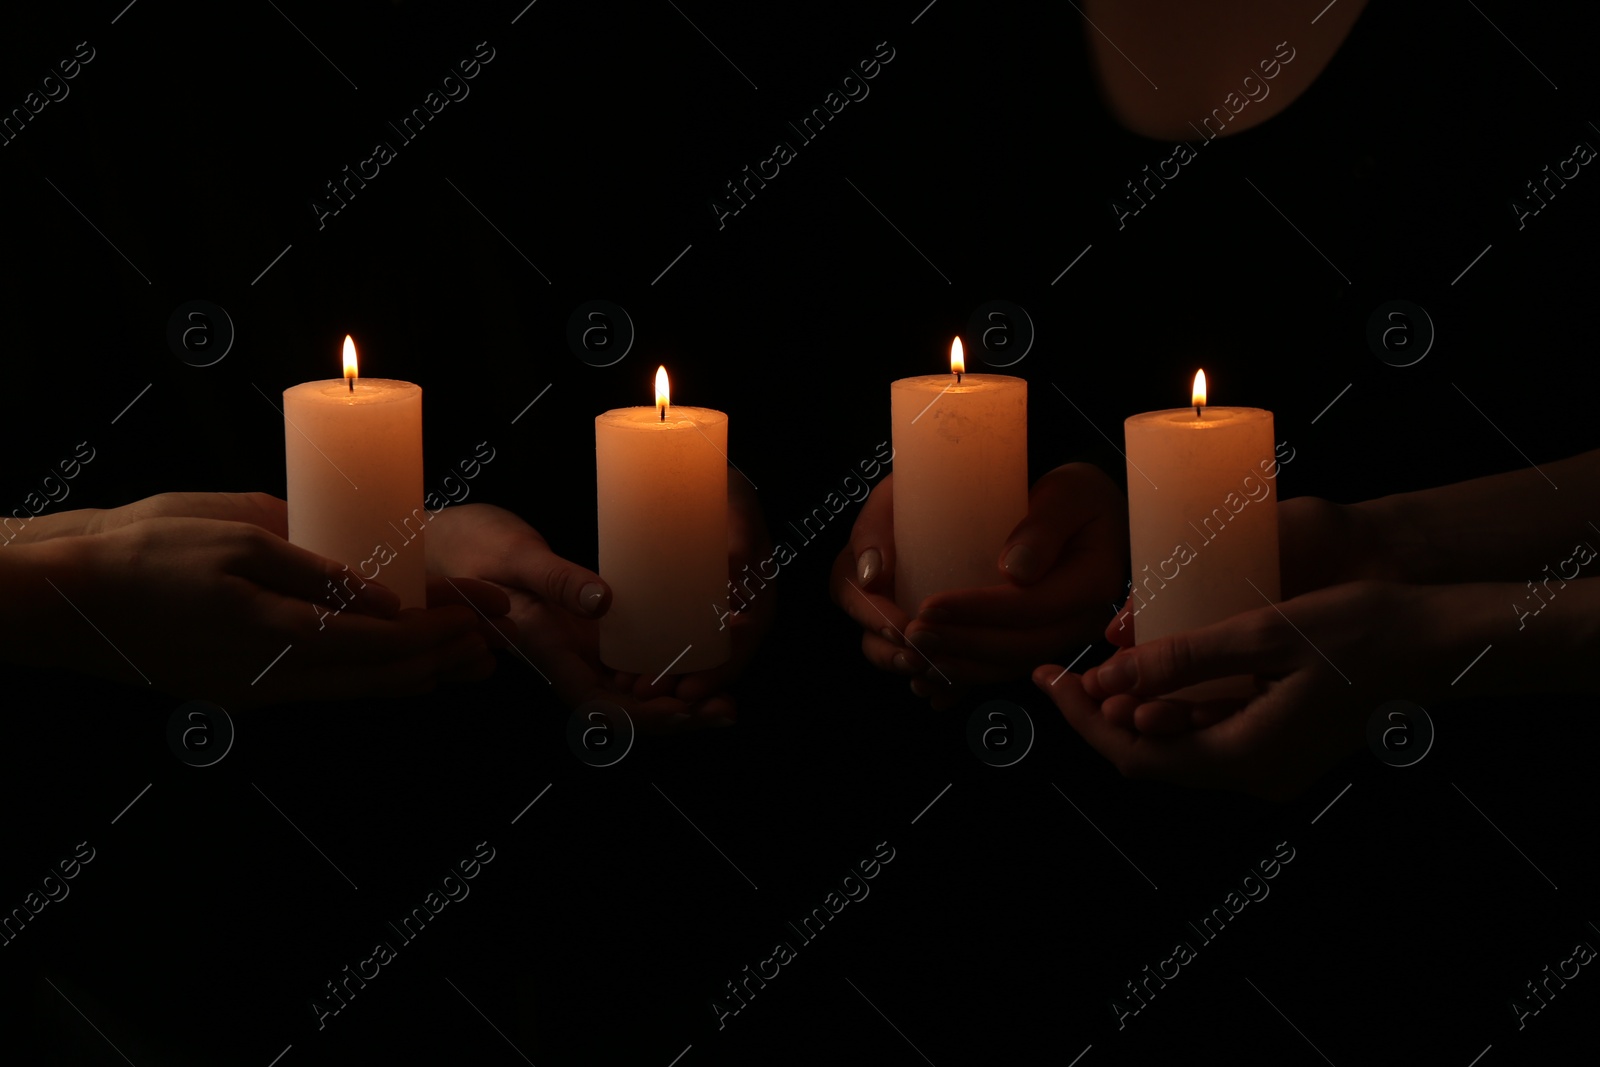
(556, 605)
(1054, 577)
(862, 584)
(229, 612)
(1322, 662)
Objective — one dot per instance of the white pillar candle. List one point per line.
(353, 450)
(662, 476)
(1202, 521)
(960, 478)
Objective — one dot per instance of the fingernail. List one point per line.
(934, 675)
(926, 641)
(889, 635)
(868, 565)
(679, 719)
(920, 687)
(1117, 674)
(589, 597)
(902, 663)
(1021, 563)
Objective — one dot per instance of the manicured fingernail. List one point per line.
(889, 635)
(926, 641)
(920, 687)
(679, 719)
(868, 565)
(1117, 674)
(1021, 563)
(589, 597)
(902, 663)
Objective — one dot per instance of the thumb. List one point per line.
(1119, 631)
(1060, 505)
(1234, 646)
(577, 589)
(872, 538)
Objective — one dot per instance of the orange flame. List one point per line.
(349, 360)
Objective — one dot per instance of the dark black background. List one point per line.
(595, 140)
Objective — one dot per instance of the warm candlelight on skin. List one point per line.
(960, 477)
(353, 458)
(1202, 521)
(662, 479)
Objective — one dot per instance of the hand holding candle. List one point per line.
(1040, 579)
(666, 514)
(1331, 656)
(1057, 571)
(556, 605)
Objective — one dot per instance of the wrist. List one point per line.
(1442, 631)
(1393, 540)
(1322, 544)
(1495, 638)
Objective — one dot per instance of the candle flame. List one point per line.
(1199, 390)
(350, 360)
(958, 359)
(662, 393)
